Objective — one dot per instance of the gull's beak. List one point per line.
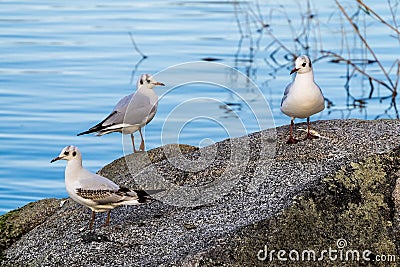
(158, 83)
(55, 159)
(293, 70)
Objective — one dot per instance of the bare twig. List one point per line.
(348, 61)
(275, 39)
(394, 18)
(281, 44)
(392, 105)
(372, 87)
(398, 74)
(368, 9)
(136, 68)
(136, 47)
(239, 25)
(392, 88)
(257, 17)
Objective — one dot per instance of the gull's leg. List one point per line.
(133, 143)
(291, 140)
(108, 218)
(309, 135)
(141, 148)
(92, 220)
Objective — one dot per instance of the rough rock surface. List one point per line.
(350, 212)
(16, 223)
(223, 202)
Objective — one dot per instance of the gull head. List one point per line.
(68, 153)
(148, 81)
(302, 65)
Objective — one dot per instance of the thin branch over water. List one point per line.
(140, 60)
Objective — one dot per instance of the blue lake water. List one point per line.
(65, 64)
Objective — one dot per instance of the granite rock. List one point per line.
(218, 195)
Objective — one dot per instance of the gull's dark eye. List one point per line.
(66, 153)
(148, 81)
(74, 153)
(141, 81)
(304, 64)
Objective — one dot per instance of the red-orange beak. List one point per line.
(293, 70)
(158, 83)
(55, 159)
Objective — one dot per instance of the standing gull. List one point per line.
(94, 191)
(302, 97)
(132, 112)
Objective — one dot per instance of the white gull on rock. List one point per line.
(302, 97)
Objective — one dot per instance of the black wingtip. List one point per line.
(142, 196)
(145, 196)
(82, 133)
(98, 127)
(94, 129)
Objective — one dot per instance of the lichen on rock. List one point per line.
(353, 206)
